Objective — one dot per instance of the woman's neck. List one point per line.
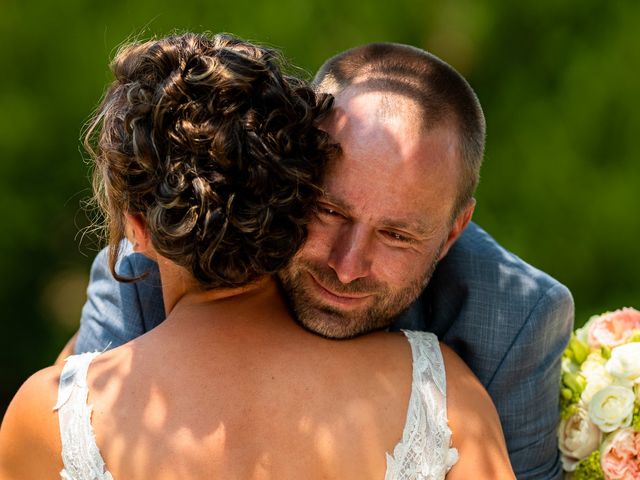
(180, 289)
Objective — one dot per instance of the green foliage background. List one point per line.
(558, 82)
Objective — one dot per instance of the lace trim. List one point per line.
(424, 452)
(80, 454)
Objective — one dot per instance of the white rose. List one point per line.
(577, 438)
(625, 362)
(593, 362)
(612, 408)
(597, 377)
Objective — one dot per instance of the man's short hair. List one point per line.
(441, 92)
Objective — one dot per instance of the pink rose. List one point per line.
(613, 328)
(619, 456)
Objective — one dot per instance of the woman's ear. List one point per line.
(136, 232)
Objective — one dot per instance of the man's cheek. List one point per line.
(397, 268)
(320, 238)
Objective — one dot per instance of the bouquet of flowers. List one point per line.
(599, 434)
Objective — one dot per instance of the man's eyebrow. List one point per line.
(336, 201)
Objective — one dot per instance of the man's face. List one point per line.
(383, 222)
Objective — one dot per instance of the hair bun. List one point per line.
(216, 148)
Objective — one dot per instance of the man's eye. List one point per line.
(328, 211)
(397, 237)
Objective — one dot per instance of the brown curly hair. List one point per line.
(216, 148)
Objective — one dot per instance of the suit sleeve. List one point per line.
(117, 312)
(525, 386)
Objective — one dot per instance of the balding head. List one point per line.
(438, 97)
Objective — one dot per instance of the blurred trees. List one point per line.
(558, 82)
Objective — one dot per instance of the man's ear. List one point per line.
(136, 232)
(459, 224)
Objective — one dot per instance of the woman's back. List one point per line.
(243, 397)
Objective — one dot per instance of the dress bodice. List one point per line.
(423, 453)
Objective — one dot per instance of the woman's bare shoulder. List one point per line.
(37, 395)
(29, 436)
(459, 375)
(390, 351)
(468, 403)
(474, 422)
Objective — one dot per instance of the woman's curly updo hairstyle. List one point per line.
(215, 148)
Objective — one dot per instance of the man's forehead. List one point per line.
(368, 130)
(394, 145)
(374, 120)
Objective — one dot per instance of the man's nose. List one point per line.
(350, 255)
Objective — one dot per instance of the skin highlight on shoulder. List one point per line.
(29, 436)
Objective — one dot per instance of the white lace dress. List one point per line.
(424, 452)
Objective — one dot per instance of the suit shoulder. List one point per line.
(128, 264)
(483, 294)
(478, 259)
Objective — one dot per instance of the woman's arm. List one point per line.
(475, 425)
(29, 435)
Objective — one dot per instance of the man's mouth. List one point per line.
(345, 300)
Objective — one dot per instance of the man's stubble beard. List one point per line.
(330, 322)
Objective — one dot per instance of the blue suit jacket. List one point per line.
(508, 321)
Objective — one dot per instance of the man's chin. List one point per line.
(339, 318)
(335, 326)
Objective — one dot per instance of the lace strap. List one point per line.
(80, 454)
(424, 452)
